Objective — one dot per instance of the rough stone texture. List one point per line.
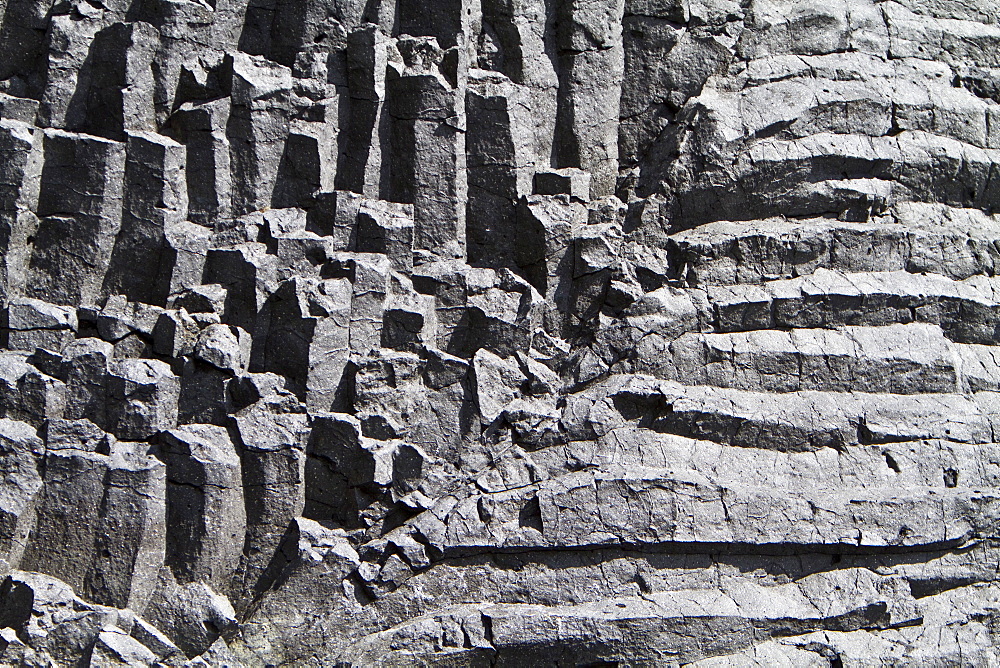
(500, 332)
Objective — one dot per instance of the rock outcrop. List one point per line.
(500, 332)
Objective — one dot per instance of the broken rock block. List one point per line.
(193, 616)
(386, 228)
(28, 394)
(121, 317)
(502, 313)
(546, 226)
(50, 625)
(210, 298)
(85, 370)
(498, 382)
(35, 324)
(142, 398)
(175, 333)
(225, 347)
(114, 647)
(340, 458)
(308, 166)
(314, 564)
(569, 181)
(369, 275)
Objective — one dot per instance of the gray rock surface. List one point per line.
(500, 332)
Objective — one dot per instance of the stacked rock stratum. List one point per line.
(500, 332)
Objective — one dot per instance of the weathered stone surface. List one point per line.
(499, 332)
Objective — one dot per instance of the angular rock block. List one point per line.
(32, 324)
(142, 398)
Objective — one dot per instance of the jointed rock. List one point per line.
(500, 332)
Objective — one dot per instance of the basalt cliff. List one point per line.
(499, 333)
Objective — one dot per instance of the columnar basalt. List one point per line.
(500, 332)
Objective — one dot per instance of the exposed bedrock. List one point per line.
(500, 332)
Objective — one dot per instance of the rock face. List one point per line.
(500, 332)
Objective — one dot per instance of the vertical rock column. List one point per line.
(80, 206)
(449, 21)
(155, 200)
(19, 449)
(185, 30)
(307, 338)
(426, 98)
(69, 38)
(130, 538)
(500, 162)
(330, 349)
(518, 39)
(649, 35)
(370, 276)
(273, 458)
(206, 516)
(592, 62)
(546, 227)
(360, 167)
(120, 81)
(20, 172)
(201, 127)
(308, 165)
(68, 523)
(257, 129)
